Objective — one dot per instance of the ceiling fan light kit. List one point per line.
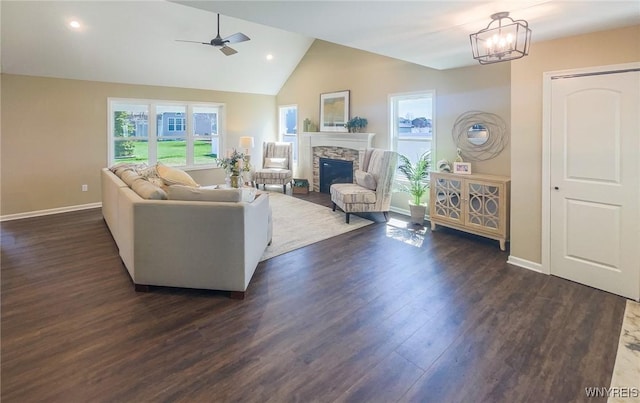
(502, 40)
(222, 43)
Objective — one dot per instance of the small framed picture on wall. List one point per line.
(462, 168)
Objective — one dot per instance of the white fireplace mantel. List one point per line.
(309, 140)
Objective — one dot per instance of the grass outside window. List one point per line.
(172, 152)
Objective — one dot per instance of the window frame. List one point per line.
(152, 130)
(393, 124)
(297, 133)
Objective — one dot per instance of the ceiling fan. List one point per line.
(221, 43)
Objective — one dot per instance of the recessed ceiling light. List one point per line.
(269, 56)
(74, 24)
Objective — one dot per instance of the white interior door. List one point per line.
(595, 181)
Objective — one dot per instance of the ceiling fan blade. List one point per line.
(228, 51)
(237, 37)
(182, 40)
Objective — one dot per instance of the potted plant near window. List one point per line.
(417, 175)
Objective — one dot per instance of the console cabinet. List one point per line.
(476, 203)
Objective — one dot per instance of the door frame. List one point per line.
(547, 77)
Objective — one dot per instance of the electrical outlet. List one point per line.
(85, 188)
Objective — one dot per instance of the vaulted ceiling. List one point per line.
(135, 41)
(430, 33)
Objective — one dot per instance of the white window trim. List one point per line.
(393, 139)
(281, 135)
(392, 119)
(280, 107)
(152, 127)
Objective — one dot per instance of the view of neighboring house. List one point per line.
(172, 124)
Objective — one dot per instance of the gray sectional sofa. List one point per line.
(192, 244)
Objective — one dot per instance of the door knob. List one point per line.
(556, 188)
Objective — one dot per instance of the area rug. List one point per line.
(625, 381)
(298, 223)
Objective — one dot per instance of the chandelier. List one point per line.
(506, 40)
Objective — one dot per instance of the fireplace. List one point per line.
(336, 146)
(334, 171)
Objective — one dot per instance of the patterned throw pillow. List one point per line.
(148, 172)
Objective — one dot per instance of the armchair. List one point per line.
(372, 190)
(277, 163)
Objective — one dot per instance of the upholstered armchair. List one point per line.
(371, 191)
(277, 165)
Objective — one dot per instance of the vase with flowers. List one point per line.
(234, 164)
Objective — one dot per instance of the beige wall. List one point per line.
(54, 135)
(594, 49)
(372, 78)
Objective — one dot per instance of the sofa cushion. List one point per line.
(148, 190)
(350, 193)
(366, 179)
(272, 174)
(175, 176)
(278, 163)
(187, 193)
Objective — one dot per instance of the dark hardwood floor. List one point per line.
(379, 314)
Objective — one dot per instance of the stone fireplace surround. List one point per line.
(333, 153)
(338, 145)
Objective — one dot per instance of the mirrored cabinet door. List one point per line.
(447, 203)
(474, 203)
(483, 208)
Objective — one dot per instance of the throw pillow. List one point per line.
(147, 172)
(124, 166)
(180, 192)
(148, 190)
(366, 180)
(128, 176)
(158, 182)
(175, 176)
(276, 163)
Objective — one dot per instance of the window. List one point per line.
(412, 124)
(176, 124)
(288, 127)
(183, 134)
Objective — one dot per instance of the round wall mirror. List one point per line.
(479, 135)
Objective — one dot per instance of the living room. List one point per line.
(54, 139)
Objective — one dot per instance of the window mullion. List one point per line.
(153, 135)
(189, 138)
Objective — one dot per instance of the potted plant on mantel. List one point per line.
(357, 124)
(417, 174)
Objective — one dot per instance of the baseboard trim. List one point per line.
(38, 213)
(525, 264)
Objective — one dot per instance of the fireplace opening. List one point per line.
(334, 171)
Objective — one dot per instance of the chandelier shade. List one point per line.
(502, 40)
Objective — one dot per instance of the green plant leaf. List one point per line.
(417, 174)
